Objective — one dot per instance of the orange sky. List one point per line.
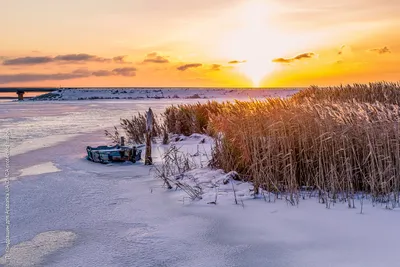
(235, 43)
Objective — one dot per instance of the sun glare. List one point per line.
(256, 71)
(255, 39)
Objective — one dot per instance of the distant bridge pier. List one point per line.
(20, 94)
(22, 90)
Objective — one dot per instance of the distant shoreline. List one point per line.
(162, 93)
(148, 87)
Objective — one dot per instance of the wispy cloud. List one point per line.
(236, 61)
(128, 71)
(383, 50)
(188, 66)
(340, 13)
(32, 77)
(216, 67)
(76, 74)
(79, 57)
(27, 61)
(62, 58)
(120, 59)
(102, 73)
(341, 50)
(155, 58)
(296, 58)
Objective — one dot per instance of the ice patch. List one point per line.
(33, 252)
(38, 143)
(47, 167)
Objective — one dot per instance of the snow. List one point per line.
(164, 93)
(279, 234)
(32, 252)
(67, 211)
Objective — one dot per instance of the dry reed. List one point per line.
(135, 129)
(339, 141)
(336, 141)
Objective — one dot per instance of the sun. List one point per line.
(256, 71)
(254, 39)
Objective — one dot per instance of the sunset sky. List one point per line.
(233, 43)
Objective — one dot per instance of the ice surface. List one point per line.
(89, 214)
(47, 167)
(32, 252)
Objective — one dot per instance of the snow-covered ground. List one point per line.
(164, 93)
(67, 211)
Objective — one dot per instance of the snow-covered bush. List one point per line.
(173, 168)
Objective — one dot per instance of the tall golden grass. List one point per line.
(187, 119)
(339, 141)
(374, 92)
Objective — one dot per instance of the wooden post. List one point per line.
(20, 95)
(134, 151)
(149, 129)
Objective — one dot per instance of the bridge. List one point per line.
(20, 91)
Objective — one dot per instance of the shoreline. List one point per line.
(140, 94)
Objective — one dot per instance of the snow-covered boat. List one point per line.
(117, 153)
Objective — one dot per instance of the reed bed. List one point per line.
(373, 92)
(339, 142)
(187, 119)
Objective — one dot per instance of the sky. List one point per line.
(207, 43)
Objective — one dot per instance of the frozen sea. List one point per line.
(67, 211)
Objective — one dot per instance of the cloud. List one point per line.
(62, 58)
(381, 51)
(215, 67)
(337, 14)
(27, 61)
(102, 73)
(76, 74)
(290, 60)
(32, 77)
(187, 66)
(128, 71)
(341, 50)
(79, 57)
(120, 59)
(236, 61)
(155, 58)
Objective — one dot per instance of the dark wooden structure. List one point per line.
(20, 91)
(149, 128)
